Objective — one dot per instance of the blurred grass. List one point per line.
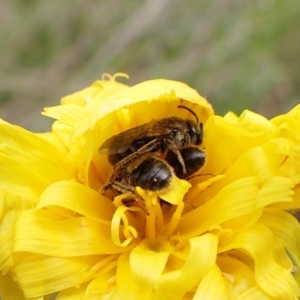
(238, 54)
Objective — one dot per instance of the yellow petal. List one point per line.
(286, 229)
(38, 232)
(175, 194)
(28, 164)
(231, 117)
(69, 115)
(126, 287)
(201, 257)
(275, 189)
(256, 123)
(78, 198)
(100, 88)
(259, 161)
(6, 235)
(235, 199)
(236, 140)
(242, 277)
(148, 261)
(9, 289)
(213, 286)
(255, 293)
(77, 293)
(102, 287)
(11, 205)
(32, 178)
(28, 142)
(168, 94)
(39, 275)
(153, 90)
(295, 204)
(271, 273)
(125, 230)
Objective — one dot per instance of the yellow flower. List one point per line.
(227, 235)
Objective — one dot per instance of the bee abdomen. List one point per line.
(152, 174)
(193, 158)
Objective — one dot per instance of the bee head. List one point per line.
(195, 129)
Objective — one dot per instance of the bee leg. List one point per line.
(154, 144)
(170, 146)
(104, 188)
(124, 188)
(128, 200)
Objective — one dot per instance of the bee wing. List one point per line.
(157, 131)
(121, 142)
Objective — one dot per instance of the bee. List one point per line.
(152, 173)
(168, 134)
(150, 155)
(155, 174)
(147, 171)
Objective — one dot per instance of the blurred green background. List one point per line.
(238, 54)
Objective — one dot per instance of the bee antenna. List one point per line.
(188, 109)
